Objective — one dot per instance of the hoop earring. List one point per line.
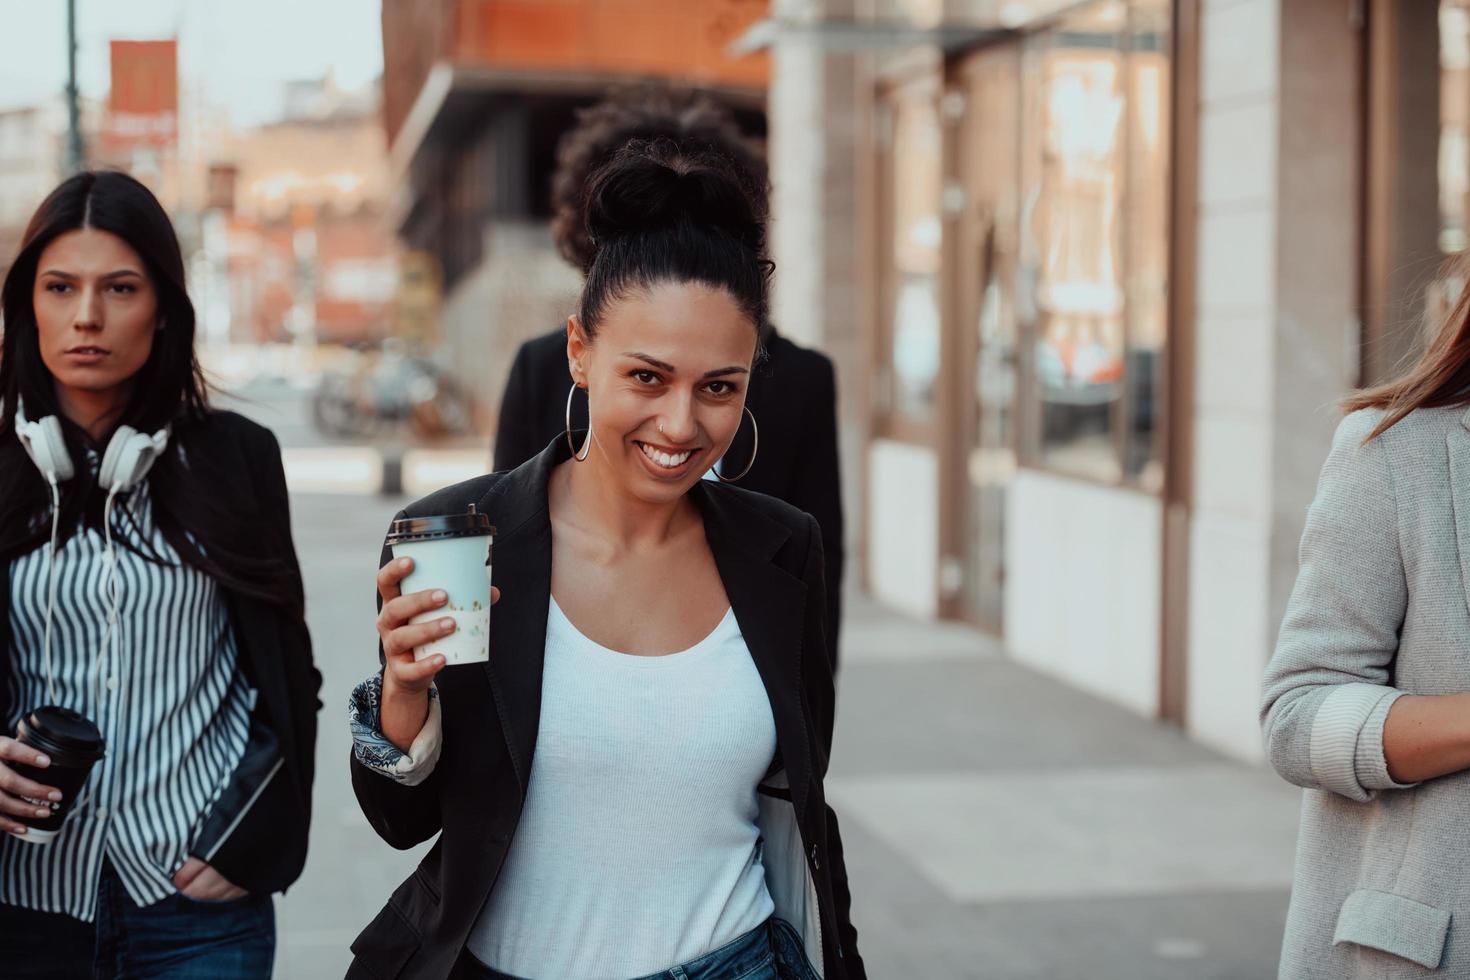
(755, 446)
(586, 446)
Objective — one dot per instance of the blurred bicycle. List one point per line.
(385, 392)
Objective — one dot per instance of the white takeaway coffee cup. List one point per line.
(450, 552)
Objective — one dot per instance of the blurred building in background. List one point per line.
(476, 95)
(31, 154)
(159, 129)
(32, 159)
(299, 212)
(1096, 275)
(283, 225)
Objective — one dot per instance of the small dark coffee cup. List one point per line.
(74, 745)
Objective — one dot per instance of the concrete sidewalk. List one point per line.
(1002, 825)
(997, 823)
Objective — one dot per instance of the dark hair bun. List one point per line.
(660, 184)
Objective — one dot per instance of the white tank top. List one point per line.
(637, 848)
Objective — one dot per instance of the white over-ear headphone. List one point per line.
(42, 441)
(129, 456)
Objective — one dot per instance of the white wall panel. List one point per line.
(1229, 635)
(1083, 585)
(903, 521)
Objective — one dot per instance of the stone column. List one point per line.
(816, 113)
(1276, 327)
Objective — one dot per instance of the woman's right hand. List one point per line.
(405, 704)
(13, 786)
(401, 673)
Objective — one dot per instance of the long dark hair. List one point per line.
(170, 389)
(661, 211)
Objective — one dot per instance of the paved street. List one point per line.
(998, 824)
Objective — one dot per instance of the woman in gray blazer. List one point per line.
(1365, 699)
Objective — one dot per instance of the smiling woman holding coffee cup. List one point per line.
(156, 680)
(630, 785)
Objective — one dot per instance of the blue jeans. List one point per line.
(771, 951)
(177, 938)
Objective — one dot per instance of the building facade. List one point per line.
(298, 232)
(33, 161)
(283, 225)
(1096, 276)
(477, 94)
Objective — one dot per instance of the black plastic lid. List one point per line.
(466, 525)
(61, 732)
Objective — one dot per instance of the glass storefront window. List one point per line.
(915, 237)
(1093, 231)
(1073, 157)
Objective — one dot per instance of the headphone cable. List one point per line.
(51, 584)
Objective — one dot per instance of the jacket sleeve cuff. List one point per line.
(1370, 763)
(372, 748)
(1347, 741)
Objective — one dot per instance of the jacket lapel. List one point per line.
(1459, 448)
(770, 606)
(520, 559)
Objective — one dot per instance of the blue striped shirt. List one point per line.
(171, 705)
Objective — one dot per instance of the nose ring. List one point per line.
(660, 427)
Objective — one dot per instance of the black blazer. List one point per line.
(792, 394)
(769, 557)
(256, 834)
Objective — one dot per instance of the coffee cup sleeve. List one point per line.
(371, 748)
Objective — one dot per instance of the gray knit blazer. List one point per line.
(1382, 881)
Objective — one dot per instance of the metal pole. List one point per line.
(74, 159)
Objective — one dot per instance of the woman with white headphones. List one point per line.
(148, 583)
